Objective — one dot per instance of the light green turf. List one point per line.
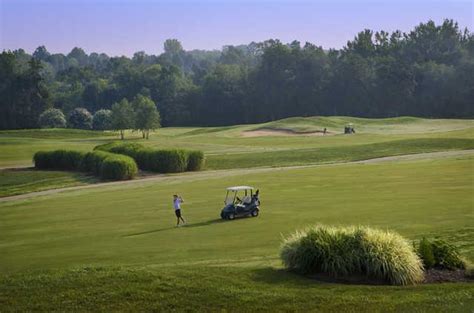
(216, 289)
(47, 243)
(398, 125)
(18, 147)
(213, 263)
(133, 224)
(19, 181)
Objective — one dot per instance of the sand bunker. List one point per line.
(282, 132)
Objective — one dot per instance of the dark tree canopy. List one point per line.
(427, 72)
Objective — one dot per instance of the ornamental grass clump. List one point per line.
(439, 254)
(345, 252)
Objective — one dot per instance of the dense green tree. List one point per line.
(123, 117)
(424, 72)
(52, 118)
(102, 120)
(147, 117)
(23, 94)
(80, 118)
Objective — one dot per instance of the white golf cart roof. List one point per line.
(237, 188)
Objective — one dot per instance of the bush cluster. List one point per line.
(80, 118)
(58, 159)
(155, 160)
(102, 120)
(52, 118)
(195, 160)
(118, 167)
(440, 254)
(106, 165)
(353, 251)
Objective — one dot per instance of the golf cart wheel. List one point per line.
(254, 213)
(230, 216)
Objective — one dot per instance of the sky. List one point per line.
(122, 27)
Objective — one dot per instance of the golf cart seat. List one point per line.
(246, 200)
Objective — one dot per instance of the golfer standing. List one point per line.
(177, 200)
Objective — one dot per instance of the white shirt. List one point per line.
(177, 204)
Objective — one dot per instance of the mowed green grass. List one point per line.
(397, 125)
(18, 147)
(25, 180)
(115, 248)
(62, 251)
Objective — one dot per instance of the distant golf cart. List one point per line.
(240, 201)
(349, 129)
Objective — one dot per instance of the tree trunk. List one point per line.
(121, 134)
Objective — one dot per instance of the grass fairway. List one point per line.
(115, 248)
(19, 181)
(225, 146)
(234, 266)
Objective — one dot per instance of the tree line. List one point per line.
(141, 114)
(427, 72)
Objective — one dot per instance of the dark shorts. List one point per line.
(178, 213)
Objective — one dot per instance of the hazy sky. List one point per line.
(122, 27)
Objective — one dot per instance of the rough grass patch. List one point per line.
(352, 251)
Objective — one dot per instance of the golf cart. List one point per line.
(349, 129)
(240, 201)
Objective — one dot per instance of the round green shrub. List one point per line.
(42, 160)
(128, 148)
(161, 161)
(59, 159)
(102, 120)
(144, 159)
(80, 118)
(118, 168)
(166, 161)
(353, 251)
(92, 161)
(196, 160)
(52, 118)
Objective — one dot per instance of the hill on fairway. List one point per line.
(115, 247)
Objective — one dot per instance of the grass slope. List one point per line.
(134, 224)
(18, 147)
(19, 181)
(115, 248)
(337, 154)
(394, 125)
(216, 289)
(61, 252)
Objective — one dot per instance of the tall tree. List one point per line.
(147, 117)
(123, 117)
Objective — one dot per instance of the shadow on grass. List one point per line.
(279, 276)
(275, 276)
(200, 224)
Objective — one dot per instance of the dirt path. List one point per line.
(190, 176)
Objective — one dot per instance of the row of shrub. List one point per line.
(157, 160)
(103, 164)
(437, 253)
(353, 251)
(78, 118)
